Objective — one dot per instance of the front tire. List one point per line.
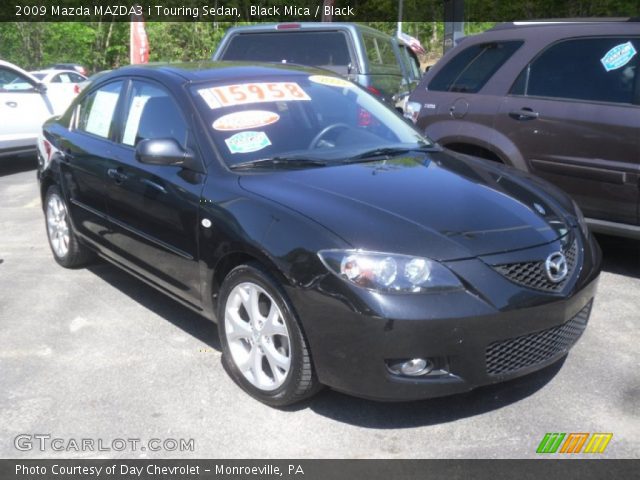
(66, 249)
(263, 348)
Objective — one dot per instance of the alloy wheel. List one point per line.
(257, 336)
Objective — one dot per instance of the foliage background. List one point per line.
(104, 44)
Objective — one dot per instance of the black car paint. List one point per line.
(149, 222)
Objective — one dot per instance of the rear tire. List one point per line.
(66, 249)
(263, 348)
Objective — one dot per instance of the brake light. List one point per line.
(374, 90)
(287, 26)
(76, 88)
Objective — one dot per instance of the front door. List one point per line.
(155, 208)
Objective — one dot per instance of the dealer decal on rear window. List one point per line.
(246, 93)
(247, 142)
(618, 56)
(245, 119)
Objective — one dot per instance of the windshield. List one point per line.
(299, 117)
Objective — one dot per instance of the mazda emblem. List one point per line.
(556, 267)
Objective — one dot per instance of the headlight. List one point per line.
(411, 111)
(388, 272)
(582, 223)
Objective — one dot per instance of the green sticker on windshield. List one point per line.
(247, 142)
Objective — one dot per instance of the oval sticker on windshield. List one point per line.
(247, 142)
(330, 81)
(618, 56)
(244, 120)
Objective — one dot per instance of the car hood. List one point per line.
(441, 205)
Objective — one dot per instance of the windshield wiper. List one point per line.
(376, 153)
(295, 162)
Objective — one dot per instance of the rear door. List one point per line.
(155, 208)
(86, 151)
(574, 114)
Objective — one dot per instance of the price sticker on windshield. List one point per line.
(248, 93)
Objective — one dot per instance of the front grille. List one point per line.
(508, 356)
(533, 275)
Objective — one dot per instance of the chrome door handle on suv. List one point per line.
(524, 114)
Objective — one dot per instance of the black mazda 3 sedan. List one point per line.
(331, 242)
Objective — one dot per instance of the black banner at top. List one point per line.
(310, 10)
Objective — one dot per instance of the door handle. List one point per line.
(524, 114)
(117, 174)
(11, 104)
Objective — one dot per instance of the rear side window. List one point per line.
(595, 69)
(305, 48)
(95, 113)
(472, 68)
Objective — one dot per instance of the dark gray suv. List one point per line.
(560, 100)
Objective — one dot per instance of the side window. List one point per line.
(75, 78)
(379, 51)
(472, 68)
(14, 82)
(56, 78)
(95, 113)
(595, 69)
(153, 113)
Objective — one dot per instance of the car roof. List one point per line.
(579, 24)
(12, 66)
(51, 71)
(196, 72)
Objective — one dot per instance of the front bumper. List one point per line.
(475, 337)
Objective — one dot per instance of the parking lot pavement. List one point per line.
(96, 354)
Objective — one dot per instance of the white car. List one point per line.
(25, 103)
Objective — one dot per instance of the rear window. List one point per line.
(305, 48)
(472, 68)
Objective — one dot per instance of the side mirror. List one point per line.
(40, 88)
(163, 151)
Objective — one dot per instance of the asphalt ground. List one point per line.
(96, 354)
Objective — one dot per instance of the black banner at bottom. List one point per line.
(318, 469)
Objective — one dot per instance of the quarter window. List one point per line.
(96, 112)
(595, 69)
(472, 68)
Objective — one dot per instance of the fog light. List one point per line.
(414, 367)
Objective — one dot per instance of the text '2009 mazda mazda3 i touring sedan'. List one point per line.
(331, 242)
